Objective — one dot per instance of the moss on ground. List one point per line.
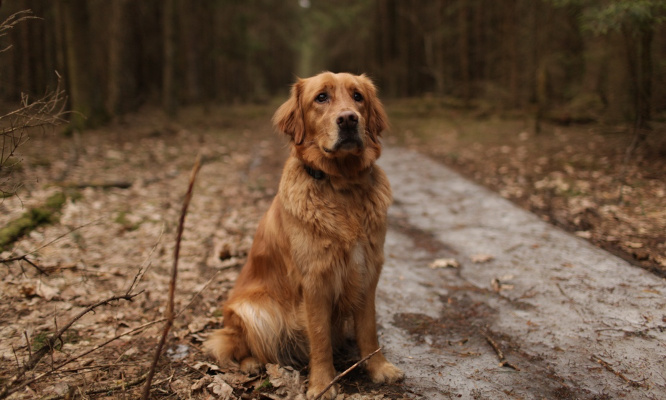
(47, 213)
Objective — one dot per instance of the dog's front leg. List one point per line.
(365, 326)
(318, 310)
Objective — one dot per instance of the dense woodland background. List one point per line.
(565, 60)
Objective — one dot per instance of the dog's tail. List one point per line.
(228, 345)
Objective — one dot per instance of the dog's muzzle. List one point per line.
(348, 135)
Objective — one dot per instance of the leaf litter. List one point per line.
(125, 185)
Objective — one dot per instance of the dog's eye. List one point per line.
(357, 97)
(321, 98)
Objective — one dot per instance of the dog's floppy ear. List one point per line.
(288, 119)
(377, 119)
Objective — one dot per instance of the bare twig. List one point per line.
(170, 316)
(25, 258)
(47, 111)
(204, 288)
(146, 264)
(27, 343)
(343, 374)
(10, 22)
(500, 354)
(610, 368)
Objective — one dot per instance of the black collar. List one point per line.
(315, 173)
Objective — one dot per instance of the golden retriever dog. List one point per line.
(318, 252)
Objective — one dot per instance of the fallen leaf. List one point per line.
(482, 258)
(221, 388)
(444, 263)
(236, 378)
(197, 325)
(179, 352)
(287, 381)
(205, 367)
(201, 383)
(45, 291)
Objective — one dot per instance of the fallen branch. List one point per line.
(25, 258)
(610, 368)
(96, 185)
(170, 316)
(17, 381)
(343, 374)
(500, 354)
(105, 185)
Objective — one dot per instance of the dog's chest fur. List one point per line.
(339, 226)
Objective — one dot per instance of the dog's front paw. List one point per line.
(385, 373)
(314, 390)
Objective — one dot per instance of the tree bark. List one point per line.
(169, 54)
(85, 102)
(116, 55)
(463, 50)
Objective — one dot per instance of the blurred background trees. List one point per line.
(567, 60)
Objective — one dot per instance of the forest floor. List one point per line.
(124, 186)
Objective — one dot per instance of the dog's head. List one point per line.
(334, 121)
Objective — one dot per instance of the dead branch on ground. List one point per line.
(610, 368)
(498, 350)
(25, 258)
(170, 316)
(347, 371)
(120, 184)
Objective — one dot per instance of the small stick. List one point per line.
(348, 370)
(194, 297)
(503, 362)
(27, 342)
(609, 368)
(24, 257)
(170, 316)
(142, 271)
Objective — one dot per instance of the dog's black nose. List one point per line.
(347, 120)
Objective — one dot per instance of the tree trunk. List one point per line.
(463, 49)
(617, 96)
(85, 103)
(116, 54)
(643, 79)
(169, 54)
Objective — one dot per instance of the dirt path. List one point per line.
(571, 320)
